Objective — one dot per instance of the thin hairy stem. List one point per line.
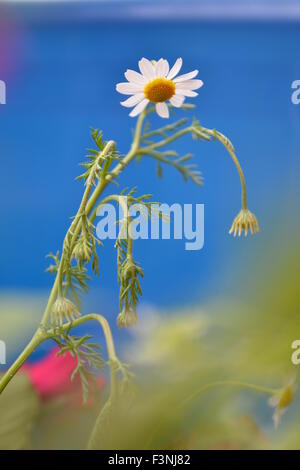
(75, 226)
(86, 206)
(114, 173)
(229, 147)
(205, 388)
(203, 132)
(113, 360)
(119, 167)
(169, 139)
(37, 339)
(162, 130)
(232, 383)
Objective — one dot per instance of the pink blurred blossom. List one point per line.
(51, 376)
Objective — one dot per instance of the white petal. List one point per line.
(189, 85)
(186, 76)
(189, 93)
(135, 77)
(147, 69)
(166, 68)
(162, 68)
(129, 88)
(175, 69)
(177, 101)
(162, 110)
(139, 108)
(133, 100)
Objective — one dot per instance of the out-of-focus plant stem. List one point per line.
(221, 383)
(230, 383)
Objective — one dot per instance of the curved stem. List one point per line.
(229, 147)
(75, 226)
(233, 383)
(38, 338)
(119, 167)
(114, 367)
(203, 132)
(220, 383)
(115, 172)
(162, 131)
(86, 206)
(170, 139)
(114, 361)
(105, 327)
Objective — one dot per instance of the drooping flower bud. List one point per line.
(245, 221)
(127, 318)
(82, 251)
(63, 310)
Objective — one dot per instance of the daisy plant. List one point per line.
(155, 88)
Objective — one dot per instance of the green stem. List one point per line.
(224, 141)
(86, 206)
(153, 154)
(150, 150)
(220, 383)
(116, 171)
(170, 139)
(119, 167)
(114, 368)
(162, 130)
(233, 383)
(73, 230)
(105, 327)
(38, 338)
(114, 361)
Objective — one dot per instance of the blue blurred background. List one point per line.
(61, 63)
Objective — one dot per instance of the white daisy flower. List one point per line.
(157, 84)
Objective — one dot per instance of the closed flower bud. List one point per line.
(127, 318)
(245, 221)
(63, 310)
(82, 250)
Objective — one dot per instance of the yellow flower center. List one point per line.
(159, 90)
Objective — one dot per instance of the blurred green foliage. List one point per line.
(242, 337)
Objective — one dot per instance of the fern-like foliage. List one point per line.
(97, 166)
(183, 164)
(129, 274)
(87, 355)
(85, 248)
(75, 277)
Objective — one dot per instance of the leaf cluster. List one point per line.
(86, 353)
